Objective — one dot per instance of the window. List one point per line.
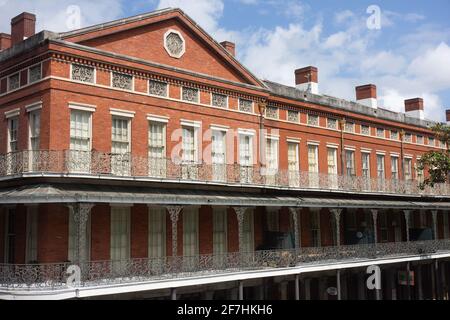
(122, 81)
(190, 232)
(220, 246)
(80, 141)
(219, 100)
(271, 112)
(408, 137)
(408, 168)
(83, 73)
(14, 82)
(13, 129)
(349, 127)
(248, 232)
(190, 94)
(380, 133)
(245, 105)
(32, 235)
(332, 167)
(313, 120)
(293, 116)
(271, 159)
(420, 173)
(431, 141)
(156, 232)
(394, 135)
(246, 157)
(332, 123)
(10, 236)
(293, 164)
(190, 153)
(366, 165)
(313, 165)
(383, 227)
(158, 88)
(218, 155)
(120, 237)
(365, 130)
(157, 149)
(34, 120)
(380, 166)
(394, 168)
(420, 140)
(315, 227)
(120, 148)
(350, 162)
(35, 73)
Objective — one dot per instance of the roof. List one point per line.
(53, 193)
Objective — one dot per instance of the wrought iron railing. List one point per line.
(128, 165)
(54, 276)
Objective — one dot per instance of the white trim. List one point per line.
(313, 143)
(82, 106)
(183, 51)
(408, 156)
(122, 113)
(33, 107)
(366, 150)
(381, 153)
(155, 118)
(217, 127)
(293, 140)
(350, 148)
(395, 154)
(272, 137)
(333, 145)
(12, 113)
(191, 123)
(247, 132)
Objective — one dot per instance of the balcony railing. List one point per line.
(54, 276)
(127, 165)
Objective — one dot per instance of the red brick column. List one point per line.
(53, 233)
(205, 230)
(139, 231)
(101, 233)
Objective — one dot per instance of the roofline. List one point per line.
(77, 46)
(154, 14)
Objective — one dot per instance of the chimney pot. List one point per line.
(414, 108)
(230, 47)
(447, 113)
(367, 95)
(5, 41)
(22, 26)
(307, 79)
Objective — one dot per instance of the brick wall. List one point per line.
(101, 232)
(139, 231)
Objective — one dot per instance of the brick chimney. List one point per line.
(367, 95)
(414, 108)
(447, 113)
(230, 47)
(5, 41)
(23, 26)
(307, 79)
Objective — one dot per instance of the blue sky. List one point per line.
(408, 57)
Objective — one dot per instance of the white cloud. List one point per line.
(53, 16)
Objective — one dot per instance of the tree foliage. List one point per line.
(437, 163)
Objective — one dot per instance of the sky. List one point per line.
(402, 46)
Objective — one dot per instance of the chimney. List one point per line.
(5, 41)
(414, 108)
(23, 26)
(230, 47)
(307, 79)
(448, 117)
(367, 95)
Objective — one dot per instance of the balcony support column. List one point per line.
(174, 213)
(407, 214)
(297, 240)
(240, 212)
(375, 224)
(338, 284)
(337, 218)
(435, 230)
(81, 213)
(241, 290)
(173, 294)
(297, 287)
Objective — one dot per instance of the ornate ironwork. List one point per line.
(365, 130)
(174, 214)
(313, 120)
(14, 81)
(245, 105)
(294, 213)
(407, 214)
(349, 127)
(35, 73)
(332, 123)
(83, 73)
(174, 44)
(127, 165)
(380, 133)
(240, 212)
(157, 88)
(219, 100)
(101, 273)
(190, 94)
(375, 224)
(81, 212)
(122, 81)
(293, 116)
(272, 112)
(337, 219)
(394, 135)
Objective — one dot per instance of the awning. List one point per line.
(152, 196)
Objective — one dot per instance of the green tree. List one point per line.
(437, 162)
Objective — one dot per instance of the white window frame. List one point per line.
(157, 166)
(8, 88)
(157, 213)
(220, 234)
(126, 211)
(219, 174)
(395, 173)
(294, 175)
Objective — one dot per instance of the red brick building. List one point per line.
(123, 142)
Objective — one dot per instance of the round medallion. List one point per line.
(174, 44)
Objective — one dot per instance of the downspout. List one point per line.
(342, 123)
(402, 163)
